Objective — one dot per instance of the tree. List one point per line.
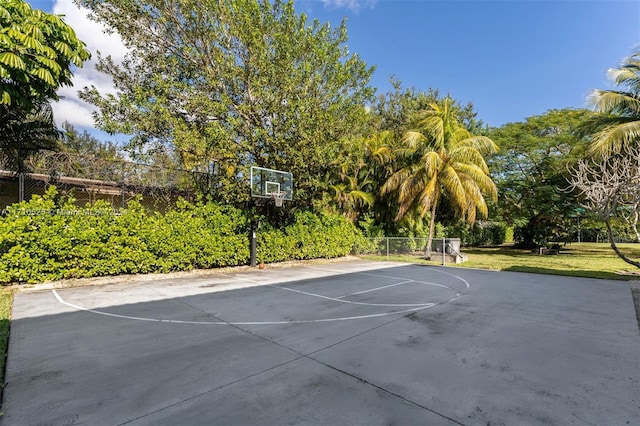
(236, 83)
(444, 160)
(24, 131)
(84, 143)
(531, 173)
(618, 123)
(611, 187)
(37, 52)
(362, 171)
(393, 110)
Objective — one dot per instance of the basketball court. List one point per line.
(351, 342)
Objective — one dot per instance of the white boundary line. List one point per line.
(398, 278)
(413, 307)
(350, 302)
(158, 320)
(375, 289)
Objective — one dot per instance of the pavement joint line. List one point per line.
(175, 404)
(385, 324)
(301, 355)
(417, 404)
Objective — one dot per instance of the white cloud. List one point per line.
(353, 5)
(71, 108)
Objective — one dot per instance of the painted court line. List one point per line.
(349, 301)
(401, 278)
(412, 307)
(237, 323)
(375, 289)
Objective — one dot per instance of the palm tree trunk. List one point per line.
(432, 224)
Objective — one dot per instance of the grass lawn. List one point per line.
(592, 260)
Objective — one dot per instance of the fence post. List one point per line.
(387, 238)
(123, 187)
(20, 187)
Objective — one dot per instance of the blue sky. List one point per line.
(512, 59)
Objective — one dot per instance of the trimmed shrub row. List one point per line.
(40, 241)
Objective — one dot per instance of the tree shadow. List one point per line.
(571, 273)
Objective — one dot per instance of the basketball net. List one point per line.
(278, 198)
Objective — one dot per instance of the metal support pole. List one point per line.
(124, 204)
(20, 187)
(252, 241)
(387, 248)
(444, 250)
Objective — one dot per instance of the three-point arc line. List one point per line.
(414, 307)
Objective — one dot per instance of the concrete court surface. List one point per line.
(354, 343)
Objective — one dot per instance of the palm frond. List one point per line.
(616, 102)
(477, 175)
(411, 141)
(457, 136)
(431, 163)
(616, 137)
(475, 200)
(365, 198)
(467, 154)
(628, 75)
(430, 193)
(483, 144)
(452, 184)
(396, 179)
(597, 122)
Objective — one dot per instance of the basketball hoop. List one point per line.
(278, 197)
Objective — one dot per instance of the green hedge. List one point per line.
(43, 241)
(310, 236)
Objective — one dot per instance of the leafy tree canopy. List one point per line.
(84, 143)
(37, 51)
(395, 109)
(233, 83)
(531, 170)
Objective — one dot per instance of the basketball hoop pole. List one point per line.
(252, 240)
(267, 184)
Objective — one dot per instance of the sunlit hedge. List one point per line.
(43, 241)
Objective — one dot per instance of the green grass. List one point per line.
(591, 260)
(6, 300)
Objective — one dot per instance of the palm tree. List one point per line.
(618, 124)
(359, 175)
(25, 131)
(351, 197)
(444, 159)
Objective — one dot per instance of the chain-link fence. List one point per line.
(88, 179)
(399, 248)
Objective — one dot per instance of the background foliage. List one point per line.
(43, 240)
(233, 84)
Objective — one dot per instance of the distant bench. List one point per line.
(547, 251)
